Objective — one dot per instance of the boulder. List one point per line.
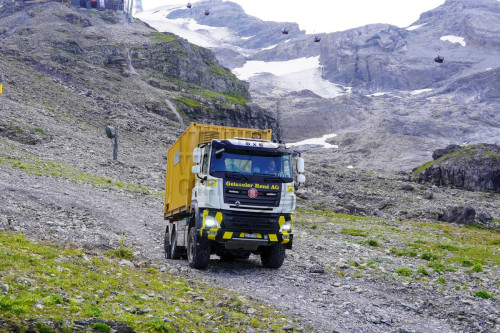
(475, 168)
(458, 214)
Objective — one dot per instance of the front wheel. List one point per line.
(198, 250)
(273, 256)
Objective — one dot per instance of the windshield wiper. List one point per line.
(273, 178)
(232, 174)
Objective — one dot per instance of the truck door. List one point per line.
(202, 187)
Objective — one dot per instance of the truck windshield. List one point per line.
(251, 162)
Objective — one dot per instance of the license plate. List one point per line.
(250, 236)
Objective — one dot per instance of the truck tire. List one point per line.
(198, 250)
(175, 251)
(167, 246)
(273, 256)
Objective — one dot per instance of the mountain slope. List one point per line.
(376, 86)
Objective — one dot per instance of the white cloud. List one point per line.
(327, 16)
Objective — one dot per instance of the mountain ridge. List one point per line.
(411, 99)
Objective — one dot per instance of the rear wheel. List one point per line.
(273, 256)
(167, 246)
(175, 251)
(198, 250)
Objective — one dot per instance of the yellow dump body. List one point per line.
(180, 180)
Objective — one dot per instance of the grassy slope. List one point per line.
(441, 248)
(42, 282)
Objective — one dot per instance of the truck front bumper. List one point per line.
(243, 230)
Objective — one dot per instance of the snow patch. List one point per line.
(377, 94)
(453, 39)
(415, 27)
(269, 47)
(416, 92)
(252, 68)
(317, 142)
(293, 75)
(188, 28)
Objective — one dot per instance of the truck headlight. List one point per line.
(287, 226)
(211, 222)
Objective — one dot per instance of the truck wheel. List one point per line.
(198, 250)
(273, 256)
(167, 246)
(175, 251)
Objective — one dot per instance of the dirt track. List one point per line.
(309, 286)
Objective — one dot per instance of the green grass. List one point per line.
(219, 71)
(483, 294)
(404, 271)
(189, 102)
(63, 285)
(159, 37)
(40, 167)
(354, 232)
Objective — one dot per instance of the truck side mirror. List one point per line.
(196, 169)
(301, 178)
(300, 165)
(197, 155)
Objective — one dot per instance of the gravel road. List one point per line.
(317, 284)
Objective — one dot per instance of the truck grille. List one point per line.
(265, 198)
(250, 222)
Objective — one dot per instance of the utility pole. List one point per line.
(278, 121)
(112, 133)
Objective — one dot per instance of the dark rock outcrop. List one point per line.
(458, 214)
(438, 153)
(475, 168)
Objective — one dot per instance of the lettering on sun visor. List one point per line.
(254, 185)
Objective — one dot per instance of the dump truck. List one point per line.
(230, 192)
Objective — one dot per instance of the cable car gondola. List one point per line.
(317, 39)
(189, 5)
(284, 31)
(439, 59)
(207, 12)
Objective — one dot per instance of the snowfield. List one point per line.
(293, 75)
(454, 39)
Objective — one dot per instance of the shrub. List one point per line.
(476, 268)
(483, 294)
(437, 267)
(429, 256)
(441, 280)
(121, 251)
(404, 271)
(423, 271)
(372, 242)
(467, 263)
(101, 327)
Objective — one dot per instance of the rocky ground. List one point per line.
(58, 182)
(332, 280)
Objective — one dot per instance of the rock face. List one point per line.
(398, 107)
(119, 65)
(474, 168)
(438, 153)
